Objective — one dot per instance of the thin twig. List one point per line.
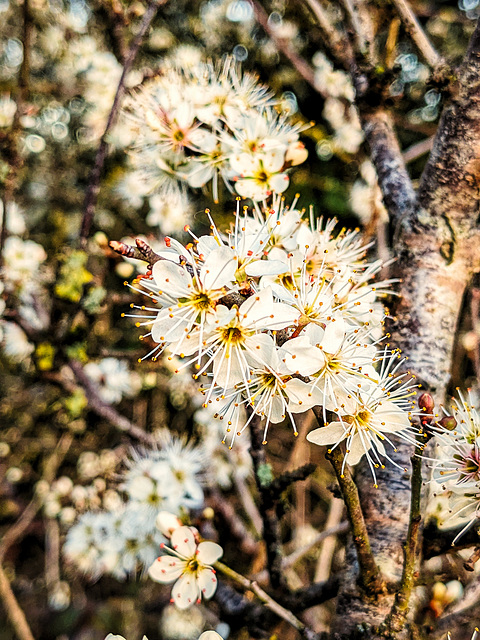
(298, 554)
(105, 410)
(324, 562)
(370, 576)
(418, 35)
(283, 45)
(418, 150)
(269, 602)
(13, 610)
(95, 175)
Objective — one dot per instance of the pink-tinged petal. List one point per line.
(357, 449)
(296, 153)
(219, 268)
(266, 268)
(185, 592)
(279, 182)
(166, 523)
(209, 552)
(183, 541)
(334, 336)
(166, 569)
(207, 582)
(171, 278)
(331, 434)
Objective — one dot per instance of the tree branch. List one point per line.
(93, 189)
(12, 609)
(397, 617)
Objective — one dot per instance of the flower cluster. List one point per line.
(280, 315)
(187, 563)
(122, 538)
(203, 123)
(457, 468)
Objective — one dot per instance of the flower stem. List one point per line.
(370, 576)
(267, 600)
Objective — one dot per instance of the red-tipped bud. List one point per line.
(426, 403)
(448, 422)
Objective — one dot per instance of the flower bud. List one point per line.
(426, 403)
(448, 422)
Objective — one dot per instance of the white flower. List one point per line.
(22, 260)
(15, 343)
(114, 379)
(260, 175)
(8, 108)
(189, 566)
(381, 411)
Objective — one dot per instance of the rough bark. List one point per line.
(438, 250)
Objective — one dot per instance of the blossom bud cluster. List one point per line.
(122, 537)
(205, 122)
(279, 315)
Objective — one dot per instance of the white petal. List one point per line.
(390, 418)
(279, 182)
(210, 635)
(171, 278)
(331, 434)
(166, 569)
(166, 523)
(301, 356)
(257, 308)
(333, 336)
(274, 160)
(262, 350)
(183, 541)
(167, 329)
(207, 583)
(185, 592)
(265, 268)
(209, 552)
(219, 268)
(357, 449)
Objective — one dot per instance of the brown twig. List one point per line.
(247, 542)
(370, 576)
(13, 610)
(336, 41)
(93, 189)
(418, 150)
